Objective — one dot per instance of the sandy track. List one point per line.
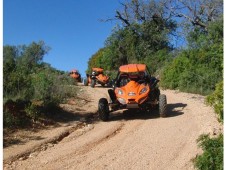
(131, 140)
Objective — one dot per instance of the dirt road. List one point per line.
(129, 140)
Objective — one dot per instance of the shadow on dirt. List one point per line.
(132, 115)
(8, 142)
(175, 109)
(53, 119)
(19, 140)
(64, 116)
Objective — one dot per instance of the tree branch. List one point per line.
(119, 16)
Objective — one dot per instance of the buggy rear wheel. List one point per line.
(85, 82)
(162, 105)
(103, 109)
(93, 82)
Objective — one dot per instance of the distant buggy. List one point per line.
(75, 75)
(96, 77)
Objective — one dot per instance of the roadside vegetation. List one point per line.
(32, 89)
(213, 147)
(199, 67)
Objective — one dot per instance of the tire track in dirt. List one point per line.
(79, 145)
(93, 144)
(102, 151)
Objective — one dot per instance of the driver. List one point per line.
(123, 80)
(133, 77)
(141, 75)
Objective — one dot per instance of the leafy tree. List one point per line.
(194, 13)
(9, 56)
(28, 79)
(144, 36)
(136, 44)
(202, 60)
(9, 64)
(18, 63)
(95, 60)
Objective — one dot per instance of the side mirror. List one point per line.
(153, 82)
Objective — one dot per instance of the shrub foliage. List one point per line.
(216, 99)
(212, 157)
(30, 85)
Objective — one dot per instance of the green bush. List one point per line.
(193, 71)
(216, 100)
(33, 111)
(52, 87)
(9, 120)
(28, 78)
(199, 67)
(212, 157)
(42, 84)
(14, 114)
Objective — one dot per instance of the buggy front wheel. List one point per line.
(85, 82)
(103, 109)
(162, 105)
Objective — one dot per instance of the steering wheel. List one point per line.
(141, 81)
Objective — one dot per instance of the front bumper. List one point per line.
(132, 106)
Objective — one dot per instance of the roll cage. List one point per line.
(136, 72)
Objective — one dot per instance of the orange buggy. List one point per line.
(96, 77)
(75, 75)
(133, 88)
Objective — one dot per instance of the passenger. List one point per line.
(123, 80)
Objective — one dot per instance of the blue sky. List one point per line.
(70, 27)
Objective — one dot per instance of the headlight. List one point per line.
(122, 101)
(120, 92)
(143, 90)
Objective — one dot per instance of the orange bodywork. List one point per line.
(132, 93)
(134, 90)
(102, 78)
(132, 68)
(89, 79)
(75, 74)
